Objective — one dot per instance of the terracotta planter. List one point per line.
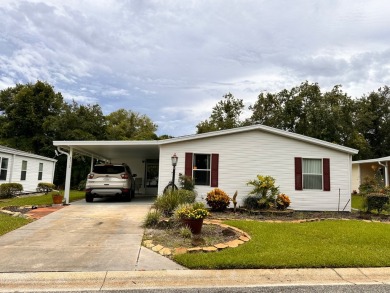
(57, 199)
(194, 225)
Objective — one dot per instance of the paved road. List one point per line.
(101, 236)
(261, 289)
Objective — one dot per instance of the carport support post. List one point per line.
(68, 174)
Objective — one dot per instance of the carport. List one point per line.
(141, 156)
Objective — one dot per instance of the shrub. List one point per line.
(282, 201)
(376, 201)
(186, 182)
(266, 203)
(169, 201)
(264, 186)
(217, 199)
(251, 202)
(9, 190)
(152, 219)
(45, 187)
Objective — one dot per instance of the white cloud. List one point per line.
(174, 60)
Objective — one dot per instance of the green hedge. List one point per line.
(45, 187)
(9, 190)
(376, 201)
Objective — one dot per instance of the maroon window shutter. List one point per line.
(214, 170)
(298, 174)
(326, 174)
(188, 165)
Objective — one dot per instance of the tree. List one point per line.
(373, 121)
(129, 125)
(225, 115)
(24, 110)
(78, 122)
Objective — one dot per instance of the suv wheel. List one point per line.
(88, 197)
(127, 196)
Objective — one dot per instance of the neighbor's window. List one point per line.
(24, 170)
(312, 173)
(201, 169)
(40, 171)
(4, 168)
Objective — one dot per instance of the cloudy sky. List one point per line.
(174, 60)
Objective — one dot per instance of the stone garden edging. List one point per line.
(167, 251)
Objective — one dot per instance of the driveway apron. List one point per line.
(98, 236)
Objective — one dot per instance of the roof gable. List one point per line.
(263, 128)
(11, 151)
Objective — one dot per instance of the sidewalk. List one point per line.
(131, 280)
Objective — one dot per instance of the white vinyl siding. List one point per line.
(15, 167)
(312, 173)
(244, 155)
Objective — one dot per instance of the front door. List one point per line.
(151, 177)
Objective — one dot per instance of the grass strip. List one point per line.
(8, 223)
(305, 245)
(45, 199)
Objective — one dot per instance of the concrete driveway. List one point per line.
(101, 236)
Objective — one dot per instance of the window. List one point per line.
(201, 169)
(40, 171)
(312, 173)
(24, 170)
(4, 168)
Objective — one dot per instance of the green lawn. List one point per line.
(8, 223)
(39, 200)
(292, 245)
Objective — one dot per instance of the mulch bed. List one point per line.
(291, 215)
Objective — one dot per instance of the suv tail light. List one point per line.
(90, 176)
(125, 176)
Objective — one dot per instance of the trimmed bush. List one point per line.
(251, 202)
(376, 201)
(9, 190)
(217, 199)
(169, 201)
(45, 187)
(282, 201)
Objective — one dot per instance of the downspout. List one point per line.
(386, 173)
(68, 171)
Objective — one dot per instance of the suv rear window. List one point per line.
(108, 169)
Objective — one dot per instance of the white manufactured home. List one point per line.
(25, 168)
(315, 174)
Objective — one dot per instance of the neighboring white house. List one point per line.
(315, 174)
(367, 169)
(25, 168)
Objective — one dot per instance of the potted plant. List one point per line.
(192, 215)
(57, 198)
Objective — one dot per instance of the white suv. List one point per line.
(110, 180)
